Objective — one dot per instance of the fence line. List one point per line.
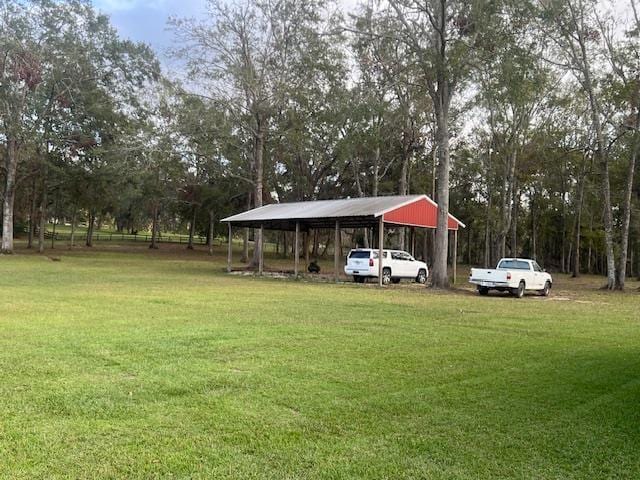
(64, 236)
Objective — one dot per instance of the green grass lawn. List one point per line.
(139, 364)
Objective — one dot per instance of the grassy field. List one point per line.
(125, 363)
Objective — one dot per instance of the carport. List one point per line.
(414, 211)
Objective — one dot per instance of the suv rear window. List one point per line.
(360, 254)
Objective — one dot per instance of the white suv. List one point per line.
(396, 265)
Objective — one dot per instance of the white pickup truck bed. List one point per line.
(514, 275)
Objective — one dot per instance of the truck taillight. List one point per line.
(371, 262)
(508, 275)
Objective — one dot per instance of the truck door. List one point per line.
(538, 276)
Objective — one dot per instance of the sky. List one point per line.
(146, 20)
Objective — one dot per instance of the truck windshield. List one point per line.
(513, 265)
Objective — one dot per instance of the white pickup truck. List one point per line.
(515, 275)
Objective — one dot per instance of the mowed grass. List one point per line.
(139, 364)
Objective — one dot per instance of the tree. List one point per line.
(439, 36)
(57, 58)
(574, 30)
(248, 59)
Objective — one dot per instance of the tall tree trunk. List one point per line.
(356, 174)
(404, 174)
(487, 226)
(92, 221)
(154, 227)
(245, 235)
(603, 160)
(258, 155)
(589, 264)
(563, 203)
(626, 208)
(192, 227)
(53, 230)
(11, 166)
(376, 171)
(245, 245)
(506, 206)
(316, 241)
(534, 232)
(32, 212)
(211, 225)
(514, 221)
(440, 278)
(327, 243)
(578, 222)
(72, 239)
(285, 246)
(43, 214)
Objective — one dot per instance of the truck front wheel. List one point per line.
(545, 291)
(519, 292)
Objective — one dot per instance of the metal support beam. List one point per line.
(296, 250)
(412, 237)
(261, 256)
(380, 248)
(455, 255)
(336, 252)
(229, 250)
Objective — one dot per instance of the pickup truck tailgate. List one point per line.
(488, 277)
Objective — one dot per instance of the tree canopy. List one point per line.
(521, 117)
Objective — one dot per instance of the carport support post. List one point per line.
(297, 250)
(229, 250)
(380, 248)
(413, 241)
(336, 251)
(455, 254)
(261, 256)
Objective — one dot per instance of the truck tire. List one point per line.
(519, 292)
(386, 276)
(545, 291)
(422, 276)
(483, 290)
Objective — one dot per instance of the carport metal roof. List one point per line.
(401, 210)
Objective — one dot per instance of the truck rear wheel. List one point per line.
(386, 276)
(483, 290)
(519, 292)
